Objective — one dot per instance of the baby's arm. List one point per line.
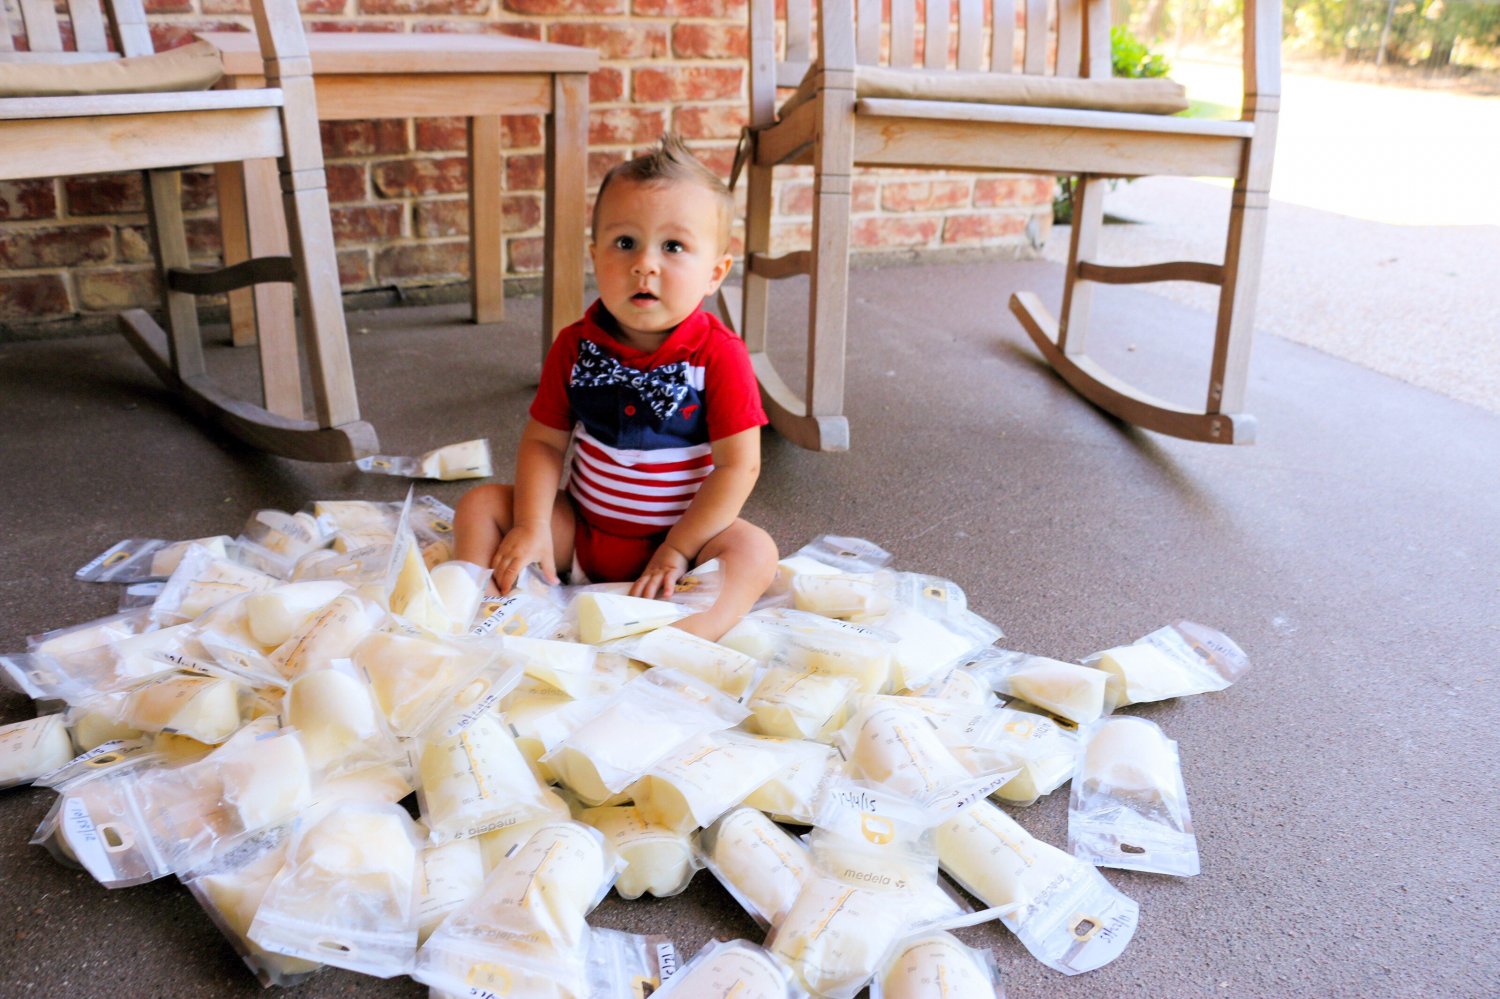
(714, 508)
(508, 528)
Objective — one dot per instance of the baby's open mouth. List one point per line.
(643, 296)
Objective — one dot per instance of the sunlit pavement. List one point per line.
(1384, 230)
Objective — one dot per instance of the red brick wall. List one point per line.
(77, 246)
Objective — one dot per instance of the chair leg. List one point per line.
(163, 190)
(814, 420)
(1083, 246)
(1063, 342)
(1243, 248)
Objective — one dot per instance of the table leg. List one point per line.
(566, 222)
(486, 220)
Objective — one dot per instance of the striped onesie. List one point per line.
(643, 425)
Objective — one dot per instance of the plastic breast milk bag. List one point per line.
(528, 922)
(342, 727)
(1036, 749)
(891, 743)
(417, 677)
(273, 615)
(476, 781)
(602, 616)
(628, 965)
(497, 844)
(136, 825)
(203, 580)
(762, 865)
(100, 720)
(876, 838)
(205, 708)
(938, 966)
(836, 935)
(706, 776)
(927, 647)
(31, 748)
(725, 668)
(519, 615)
(824, 645)
(347, 893)
(793, 793)
(448, 875)
(1128, 806)
(1069, 690)
(230, 891)
(658, 859)
(568, 666)
(136, 560)
(290, 535)
(638, 726)
(330, 633)
(1175, 661)
(799, 704)
(731, 969)
(846, 595)
(1060, 908)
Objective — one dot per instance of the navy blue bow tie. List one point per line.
(662, 388)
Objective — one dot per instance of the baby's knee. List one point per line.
(489, 502)
(758, 549)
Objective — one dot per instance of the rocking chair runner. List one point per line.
(970, 107)
(92, 111)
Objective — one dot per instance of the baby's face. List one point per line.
(656, 255)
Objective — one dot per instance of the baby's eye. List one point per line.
(624, 242)
(673, 246)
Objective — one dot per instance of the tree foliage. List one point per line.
(1432, 33)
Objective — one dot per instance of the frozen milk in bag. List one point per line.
(1128, 808)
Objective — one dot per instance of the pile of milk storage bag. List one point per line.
(353, 757)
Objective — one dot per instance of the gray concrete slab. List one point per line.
(1342, 790)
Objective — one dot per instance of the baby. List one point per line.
(659, 403)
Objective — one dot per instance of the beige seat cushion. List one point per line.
(1158, 96)
(190, 67)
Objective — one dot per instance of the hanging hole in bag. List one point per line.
(336, 946)
(115, 838)
(470, 694)
(1131, 848)
(105, 760)
(1084, 928)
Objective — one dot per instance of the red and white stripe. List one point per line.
(635, 492)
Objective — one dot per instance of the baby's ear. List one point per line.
(720, 272)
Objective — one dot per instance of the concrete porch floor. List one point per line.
(1342, 791)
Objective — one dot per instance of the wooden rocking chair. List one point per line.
(971, 105)
(92, 110)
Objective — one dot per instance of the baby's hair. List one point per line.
(671, 161)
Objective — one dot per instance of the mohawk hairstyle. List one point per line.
(671, 162)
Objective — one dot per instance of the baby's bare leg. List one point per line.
(747, 561)
(485, 513)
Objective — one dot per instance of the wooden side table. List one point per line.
(378, 75)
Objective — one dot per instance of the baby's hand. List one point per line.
(523, 546)
(659, 579)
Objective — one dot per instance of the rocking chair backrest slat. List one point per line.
(1003, 37)
(43, 34)
(1069, 36)
(131, 31)
(935, 35)
(89, 34)
(970, 35)
(867, 32)
(1035, 60)
(117, 27)
(903, 33)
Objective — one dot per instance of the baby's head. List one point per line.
(671, 162)
(661, 241)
